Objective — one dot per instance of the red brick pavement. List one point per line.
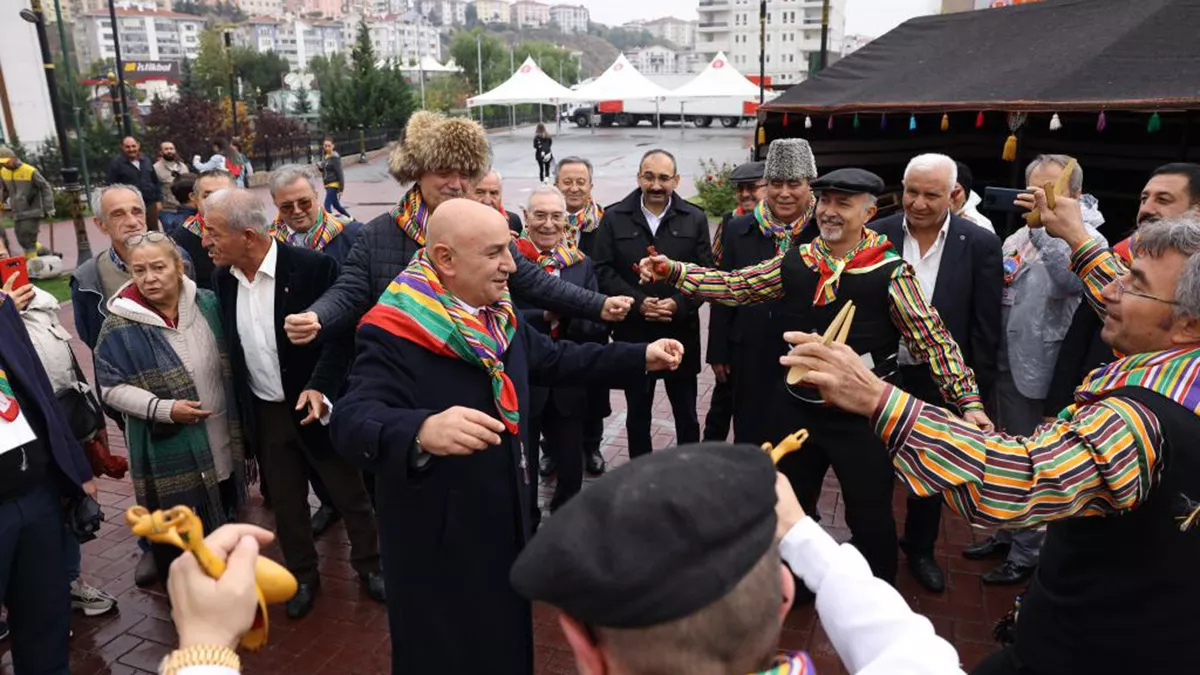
(347, 633)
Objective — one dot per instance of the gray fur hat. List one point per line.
(790, 159)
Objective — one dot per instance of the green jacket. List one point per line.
(26, 192)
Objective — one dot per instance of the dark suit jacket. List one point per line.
(968, 289)
(142, 177)
(621, 242)
(300, 278)
(451, 531)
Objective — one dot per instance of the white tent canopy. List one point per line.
(620, 82)
(528, 85)
(719, 80)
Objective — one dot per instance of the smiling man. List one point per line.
(489, 191)
(1116, 475)
(437, 405)
(303, 221)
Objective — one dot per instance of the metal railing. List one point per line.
(270, 153)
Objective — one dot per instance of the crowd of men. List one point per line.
(416, 370)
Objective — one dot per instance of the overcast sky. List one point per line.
(866, 17)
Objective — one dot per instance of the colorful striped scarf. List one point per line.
(872, 252)
(792, 663)
(8, 400)
(327, 228)
(411, 214)
(558, 258)
(416, 307)
(195, 225)
(784, 234)
(587, 220)
(1173, 373)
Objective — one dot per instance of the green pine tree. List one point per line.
(301, 105)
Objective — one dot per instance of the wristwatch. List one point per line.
(199, 655)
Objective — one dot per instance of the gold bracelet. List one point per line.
(199, 655)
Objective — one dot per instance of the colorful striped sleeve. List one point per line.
(1101, 461)
(1098, 267)
(927, 339)
(749, 285)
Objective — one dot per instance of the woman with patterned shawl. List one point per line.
(162, 362)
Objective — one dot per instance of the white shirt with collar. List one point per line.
(926, 266)
(652, 219)
(256, 327)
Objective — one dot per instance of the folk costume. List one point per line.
(452, 526)
(331, 234)
(1120, 552)
(811, 286)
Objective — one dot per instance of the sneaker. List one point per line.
(90, 599)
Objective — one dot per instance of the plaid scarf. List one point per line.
(195, 225)
(792, 663)
(558, 258)
(783, 234)
(416, 307)
(872, 252)
(587, 220)
(316, 238)
(8, 400)
(411, 214)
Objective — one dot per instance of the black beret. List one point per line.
(965, 178)
(748, 172)
(855, 181)
(656, 539)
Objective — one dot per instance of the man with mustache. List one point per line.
(437, 405)
(655, 217)
(169, 168)
(811, 283)
(131, 167)
(741, 345)
(440, 157)
(489, 191)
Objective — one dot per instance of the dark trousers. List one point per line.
(598, 410)
(1002, 662)
(543, 168)
(639, 401)
(562, 440)
(32, 560)
(863, 468)
(333, 202)
(285, 469)
(720, 412)
(924, 513)
(165, 554)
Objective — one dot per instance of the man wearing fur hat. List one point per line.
(741, 345)
(812, 283)
(441, 157)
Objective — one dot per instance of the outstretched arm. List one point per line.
(747, 286)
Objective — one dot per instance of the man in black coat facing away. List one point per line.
(654, 217)
(131, 167)
(958, 265)
(435, 406)
(284, 390)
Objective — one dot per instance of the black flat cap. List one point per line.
(854, 181)
(748, 172)
(656, 539)
(965, 178)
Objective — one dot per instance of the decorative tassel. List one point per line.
(883, 121)
(912, 122)
(785, 119)
(1010, 149)
(945, 122)
(855, 120)
(1155, 124)
(979, 120)
(1101, 121)
(1055, 123)
(762, 135)
(807, 122)
(830, 125)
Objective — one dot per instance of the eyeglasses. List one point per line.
(1123, 290)
(149, 237)
(659, 178)
(301, 205)
(749, 187)
(542, 216)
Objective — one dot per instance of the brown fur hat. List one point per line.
(434, 143)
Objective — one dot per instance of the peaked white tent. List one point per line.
(719, 80)
(528, 85)
(620, 82)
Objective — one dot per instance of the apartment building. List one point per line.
(530, 14)
(261, 7)
(297, 40)
(403, 38)
(571, 18)
(493, 11)
(793, 34)
(678, 32)
(146, 35)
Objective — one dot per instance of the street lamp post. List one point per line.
(824, 34)
(126, 125)
(762, 51)
(79, 136)
(70, 174)
(232, 80)
(479, 68)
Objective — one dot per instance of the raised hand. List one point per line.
(664, 355)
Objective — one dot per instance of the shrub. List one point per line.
(716, 191)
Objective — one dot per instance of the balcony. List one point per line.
(714, 4)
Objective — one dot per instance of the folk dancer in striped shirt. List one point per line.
(812, 282)
(1116, 475)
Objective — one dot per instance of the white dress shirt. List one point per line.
(256, 328)
(926, 265)
(652, 219)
